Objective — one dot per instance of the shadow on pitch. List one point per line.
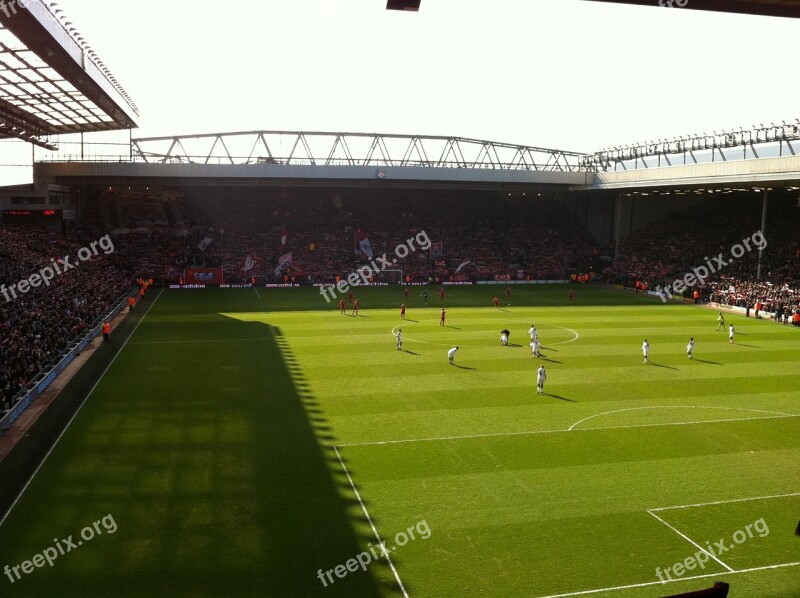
(660, 365)
(410, 320)
(463, 367)
(543, 358)
(707, 361)
(560, 398)
(409, 352)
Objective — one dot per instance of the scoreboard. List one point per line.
(23, 217)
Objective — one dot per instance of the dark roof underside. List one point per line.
(51, 82)
(769, 8)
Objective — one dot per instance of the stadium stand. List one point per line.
(543, 242)
(665, 250)
(37, 327)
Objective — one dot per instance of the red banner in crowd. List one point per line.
(207, 276)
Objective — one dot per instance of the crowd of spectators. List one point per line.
(664, 251)
(500, 237)
(38, 325)
(761, 297)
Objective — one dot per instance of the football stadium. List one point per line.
(301, 362)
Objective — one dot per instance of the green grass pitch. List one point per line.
(244, 440)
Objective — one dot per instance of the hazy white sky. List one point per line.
(568, 74)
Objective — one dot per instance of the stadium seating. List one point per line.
(37, 327)
(665, 250)
(541, 243)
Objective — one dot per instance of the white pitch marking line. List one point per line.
(692, 542)
(371, 524)
(723, 502)
(413, 340)
(577, 336)
(257, 293)
(673, 407)
(532, 432)
(655, 583)
(100, 379)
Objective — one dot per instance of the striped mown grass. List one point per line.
(231, 434)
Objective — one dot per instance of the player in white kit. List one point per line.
(535, 346)
(452, 353)
(541, 376)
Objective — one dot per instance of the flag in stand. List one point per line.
(248, 264)
(204, 243)
(462, 265)
(437, 249)
(283, 261)
(363, 246)
(284, 238)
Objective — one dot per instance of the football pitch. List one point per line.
(259, 443)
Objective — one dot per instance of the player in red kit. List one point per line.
(441, 321)
(571, 295)
(496, 302)
(508, 294)
(405, 292)
(342, 305)
(355, 307)
(403, 311)
(441, 293)
(350, 296)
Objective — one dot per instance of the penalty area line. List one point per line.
(568, 431)
(655, 583)
(692, 542)
(678, 407)
(724, 502)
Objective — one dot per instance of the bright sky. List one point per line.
(567, 74)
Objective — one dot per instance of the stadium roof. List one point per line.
(51, 81)
(769, 8)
